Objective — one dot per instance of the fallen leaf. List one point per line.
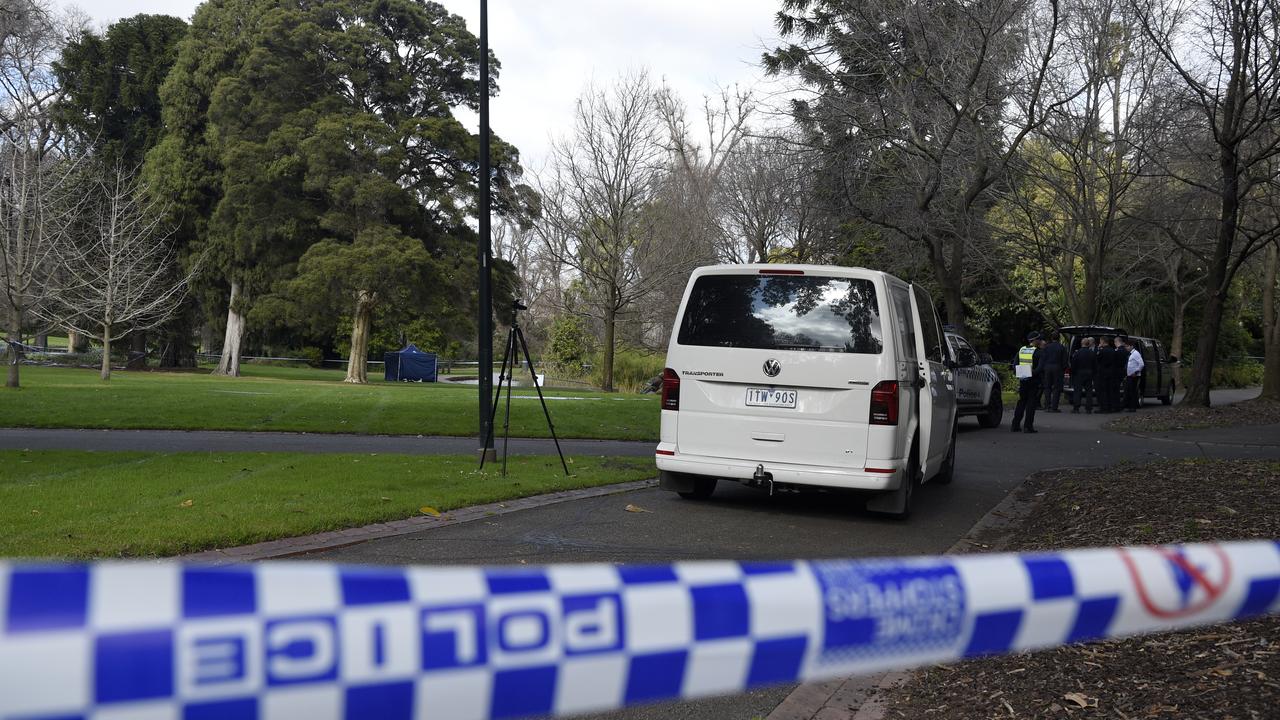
(35, 512)
(187, 503)
(428, 510)
(384, 498)
(1081, 700)
(636, 509)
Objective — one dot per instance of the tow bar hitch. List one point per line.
(761, 477)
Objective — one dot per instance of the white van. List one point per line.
(791, 376)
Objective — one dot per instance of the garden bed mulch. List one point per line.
(1185, 417)
(1224, 671)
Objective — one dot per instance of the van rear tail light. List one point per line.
(884, 403)
(670, 390)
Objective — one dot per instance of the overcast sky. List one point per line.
(551, 49)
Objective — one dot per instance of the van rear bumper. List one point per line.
(812, 475)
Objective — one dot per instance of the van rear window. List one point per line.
(779, 312)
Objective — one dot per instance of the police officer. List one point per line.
(1029, 372)
(1118, 373)
(1108, 388)
(1083, 364)
(1053, 359)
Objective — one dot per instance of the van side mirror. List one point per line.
(1172, 359)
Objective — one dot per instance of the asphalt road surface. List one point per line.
(741, 523)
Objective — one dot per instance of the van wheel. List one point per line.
(897, 503)
(995, 410)
(948, 471)
(702, 489)
(1167, 397)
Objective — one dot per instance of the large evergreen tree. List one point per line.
(320, 137)
(111, 86)
(392, 165)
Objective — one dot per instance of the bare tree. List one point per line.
(34, 175)
(1077, 172)
(121, 276)
(1225, 53)
(753, 200)
(599, 199)
(921, 107)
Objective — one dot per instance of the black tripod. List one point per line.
(510, 358)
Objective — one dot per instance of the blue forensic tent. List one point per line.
(410, 364)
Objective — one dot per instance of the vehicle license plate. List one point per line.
(769, 397)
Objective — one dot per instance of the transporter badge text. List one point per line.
(707, 373)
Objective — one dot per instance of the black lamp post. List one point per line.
(484, 247)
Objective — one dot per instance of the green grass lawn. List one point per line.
(78, 504)
(307, 400)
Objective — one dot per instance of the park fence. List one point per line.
(313, 640)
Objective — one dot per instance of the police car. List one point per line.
(977, 385)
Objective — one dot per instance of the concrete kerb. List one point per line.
(863, 697)
(1192, 441)
(290, 547)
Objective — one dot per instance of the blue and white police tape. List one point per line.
(307, 640)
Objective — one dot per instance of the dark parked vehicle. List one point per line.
(977, 384)
(1158, 376)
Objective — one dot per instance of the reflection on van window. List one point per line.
(774, 312)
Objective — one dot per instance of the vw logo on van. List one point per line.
(772, 367)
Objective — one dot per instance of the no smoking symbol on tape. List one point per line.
(1172, 585)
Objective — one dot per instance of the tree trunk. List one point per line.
(1271, 326)
(42, 340)
(76, 342)
(229, 364)
(1217, 282)
(14, 358)
(948, 276)
(206, 338)
(1179, 331)
(358, 361)
(106, 353)
(610, 327)
(15, 347)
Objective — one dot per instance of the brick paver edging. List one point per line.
(287, 547)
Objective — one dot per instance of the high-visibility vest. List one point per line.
(1026, 356)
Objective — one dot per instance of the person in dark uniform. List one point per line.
(1054, 359)
(1108, 391)
(1083, 366)
(1029, 373)
(1118, 373)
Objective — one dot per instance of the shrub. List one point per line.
(313, 355)
(88, 358)
(1237, 374)
(632, 369)
(569, 345)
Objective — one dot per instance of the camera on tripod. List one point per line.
(515, 347)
